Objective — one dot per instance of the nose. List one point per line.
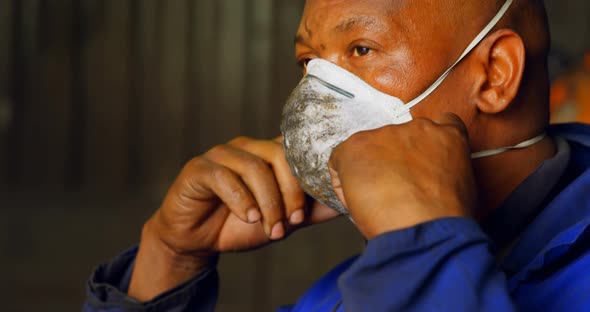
(335, 58)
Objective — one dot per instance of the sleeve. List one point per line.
(443, 265)
(107, 288)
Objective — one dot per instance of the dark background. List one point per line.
(102, 101)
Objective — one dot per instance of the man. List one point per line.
(445, 233)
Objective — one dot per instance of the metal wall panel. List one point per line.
(110, 97)
(6, 42)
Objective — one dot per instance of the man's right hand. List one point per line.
(236, 197)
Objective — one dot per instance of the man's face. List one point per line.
(398, 47)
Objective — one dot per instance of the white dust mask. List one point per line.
(330, 104)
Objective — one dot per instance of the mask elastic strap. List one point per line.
(501, 150)
(471, 46)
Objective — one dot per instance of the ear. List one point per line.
(502, 56)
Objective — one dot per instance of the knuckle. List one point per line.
(237, 194)
(221, 174)
(456, 134)
(256, 165)
(194, 164)
(455, 131)
(217, 151)
(240, 141)
(424, 123)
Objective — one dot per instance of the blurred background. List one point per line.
(102, 101)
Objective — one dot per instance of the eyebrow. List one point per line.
(347, 25)
(356, 21)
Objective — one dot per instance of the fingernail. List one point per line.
(278, 230)
(297, 217)
(253, 215)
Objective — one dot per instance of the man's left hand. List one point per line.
(403, 175)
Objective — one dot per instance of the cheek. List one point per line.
(451, 96)
(395, 74)
(386, 80)
(428, 109)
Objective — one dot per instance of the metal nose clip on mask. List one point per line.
(331, 104)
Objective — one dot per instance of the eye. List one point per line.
(360, 51)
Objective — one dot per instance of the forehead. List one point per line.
(345, 14)
(376, 5)
(429, 27)
(405, 20)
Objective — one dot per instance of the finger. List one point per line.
(318, 213)
(334, 161)
(258, 176)
(337, 186)
(223, 183)
(292, 194)
(450, 119)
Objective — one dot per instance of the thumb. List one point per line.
(337, 185)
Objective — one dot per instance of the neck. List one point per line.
(498, 176)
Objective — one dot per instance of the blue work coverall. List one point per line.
(532, 254)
